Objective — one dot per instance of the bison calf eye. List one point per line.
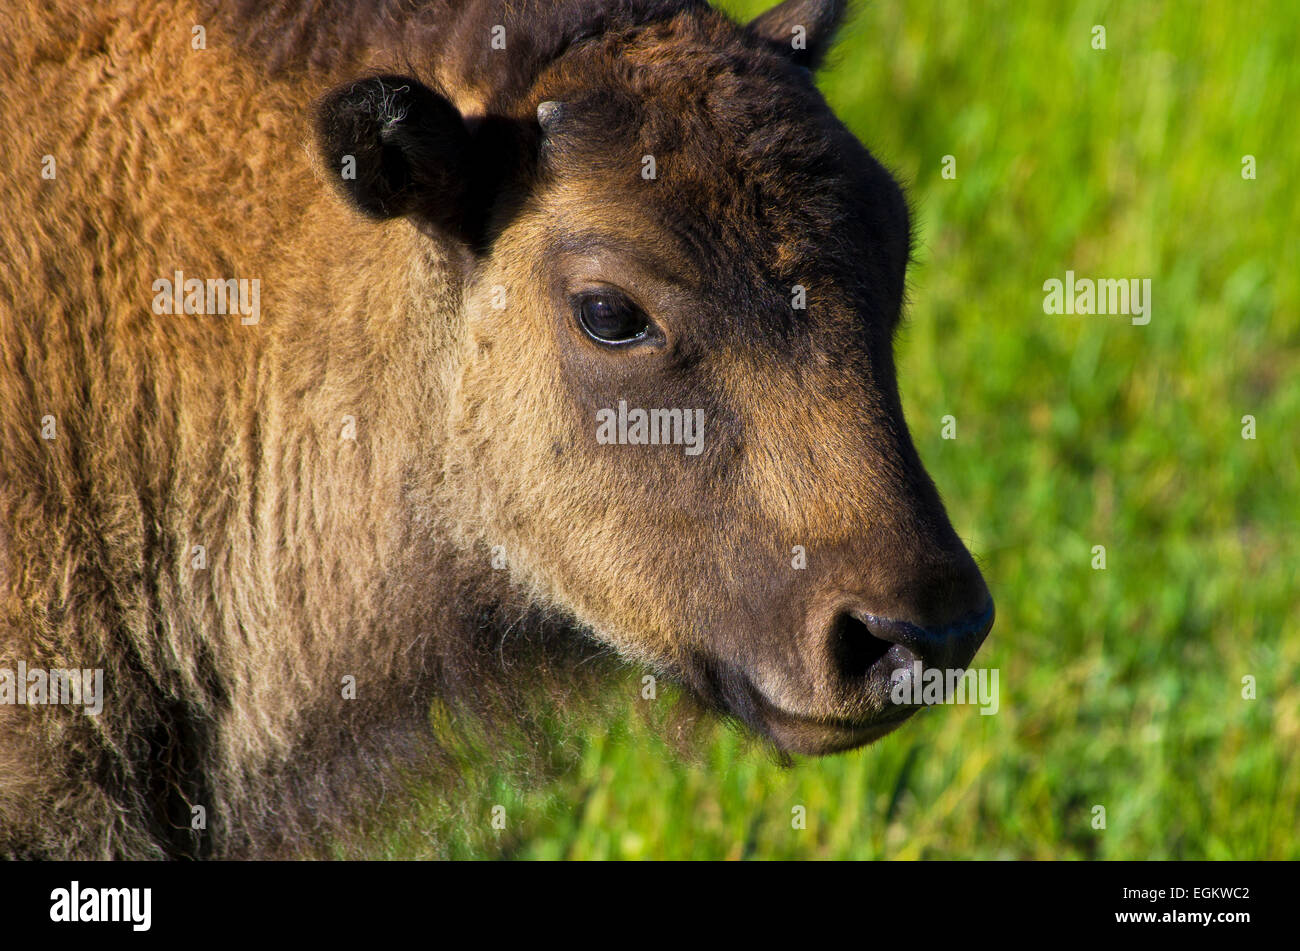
(610, 317)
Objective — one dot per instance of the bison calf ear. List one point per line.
(801, 29)
(396, 147)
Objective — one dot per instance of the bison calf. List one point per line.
(503, 256)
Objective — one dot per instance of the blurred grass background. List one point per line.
(1120, 688)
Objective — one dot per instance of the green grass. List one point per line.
(1120, 688)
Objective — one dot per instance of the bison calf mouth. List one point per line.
(866, 654)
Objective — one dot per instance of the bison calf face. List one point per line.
(674, 405)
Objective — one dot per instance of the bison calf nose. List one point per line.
(866, 648)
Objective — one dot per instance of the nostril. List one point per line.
(952, 644)
(854, 649)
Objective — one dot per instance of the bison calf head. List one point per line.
(670, 396)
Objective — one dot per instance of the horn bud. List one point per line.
(548, 113)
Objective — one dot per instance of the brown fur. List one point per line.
(370, 557)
